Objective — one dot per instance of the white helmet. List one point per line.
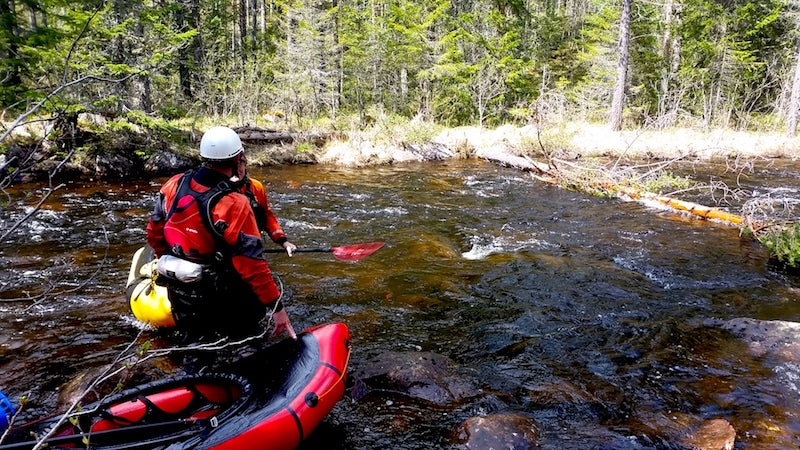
(220, 143)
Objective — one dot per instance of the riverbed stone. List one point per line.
(683, 430)
(715, 434)
(559, 392)
(497, 431)
(420, 375)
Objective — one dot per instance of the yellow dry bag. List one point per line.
(149, 301)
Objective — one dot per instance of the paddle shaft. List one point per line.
(353, 252)
(300, 250)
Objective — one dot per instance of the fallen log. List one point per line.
(516, 162)
(258, 135)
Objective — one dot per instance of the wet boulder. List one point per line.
(498, 431)
(168, 163)
(113, 165)
(420, 375)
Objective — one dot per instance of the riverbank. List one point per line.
(569, 141)
(137, 152)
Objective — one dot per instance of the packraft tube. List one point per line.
(270, 400)
(149, 301)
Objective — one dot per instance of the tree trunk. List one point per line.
(618, 100)
(254, 27)
(338, 59)
(671, 57)
(10, 31)
(794, 100)
(184, 54)
(142, 82)
(197, 44)
(119, 52)
(243, 33)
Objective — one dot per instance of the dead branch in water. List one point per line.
(616, 181)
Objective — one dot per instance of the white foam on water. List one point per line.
(479, 251)
(481, 247)
(301, 225)
(789, 375)
(130, 320)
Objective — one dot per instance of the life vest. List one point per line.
(188, 228)
(191, 235)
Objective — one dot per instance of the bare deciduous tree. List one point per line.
(794, 100)
(618, 99)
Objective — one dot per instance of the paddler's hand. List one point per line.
(290, 248)
(282, 324)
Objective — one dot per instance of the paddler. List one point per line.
(206, 235)
(265, 218)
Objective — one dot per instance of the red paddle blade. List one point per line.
(355, 252)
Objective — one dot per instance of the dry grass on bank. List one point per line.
(598, 140)
(577, 139)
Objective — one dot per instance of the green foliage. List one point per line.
(453, 62)
(144, 348)
(107, 105)
(783, 245)
(305, 147)
(150, 122)
(172, 112)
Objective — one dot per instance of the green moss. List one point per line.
(665, 182)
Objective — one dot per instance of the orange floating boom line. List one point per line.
(684, 206)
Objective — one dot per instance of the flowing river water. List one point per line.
(607, 322)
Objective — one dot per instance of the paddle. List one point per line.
(353, 252)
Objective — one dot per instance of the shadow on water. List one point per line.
(606, 322)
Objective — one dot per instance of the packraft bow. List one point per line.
(270, 400)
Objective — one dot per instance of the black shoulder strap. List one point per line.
(258, 210)
(208, 200)
(184, 186)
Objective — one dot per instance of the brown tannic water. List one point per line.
(600, 319)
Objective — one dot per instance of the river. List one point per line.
(600, 319)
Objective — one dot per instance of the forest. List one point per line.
(339, 63)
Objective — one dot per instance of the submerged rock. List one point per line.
(497, 431)
(683, 430)
(421, 375)
(716, 434)
(766, 337)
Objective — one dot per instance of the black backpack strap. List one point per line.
(184, 187)
(258, 210)
(210, 199)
